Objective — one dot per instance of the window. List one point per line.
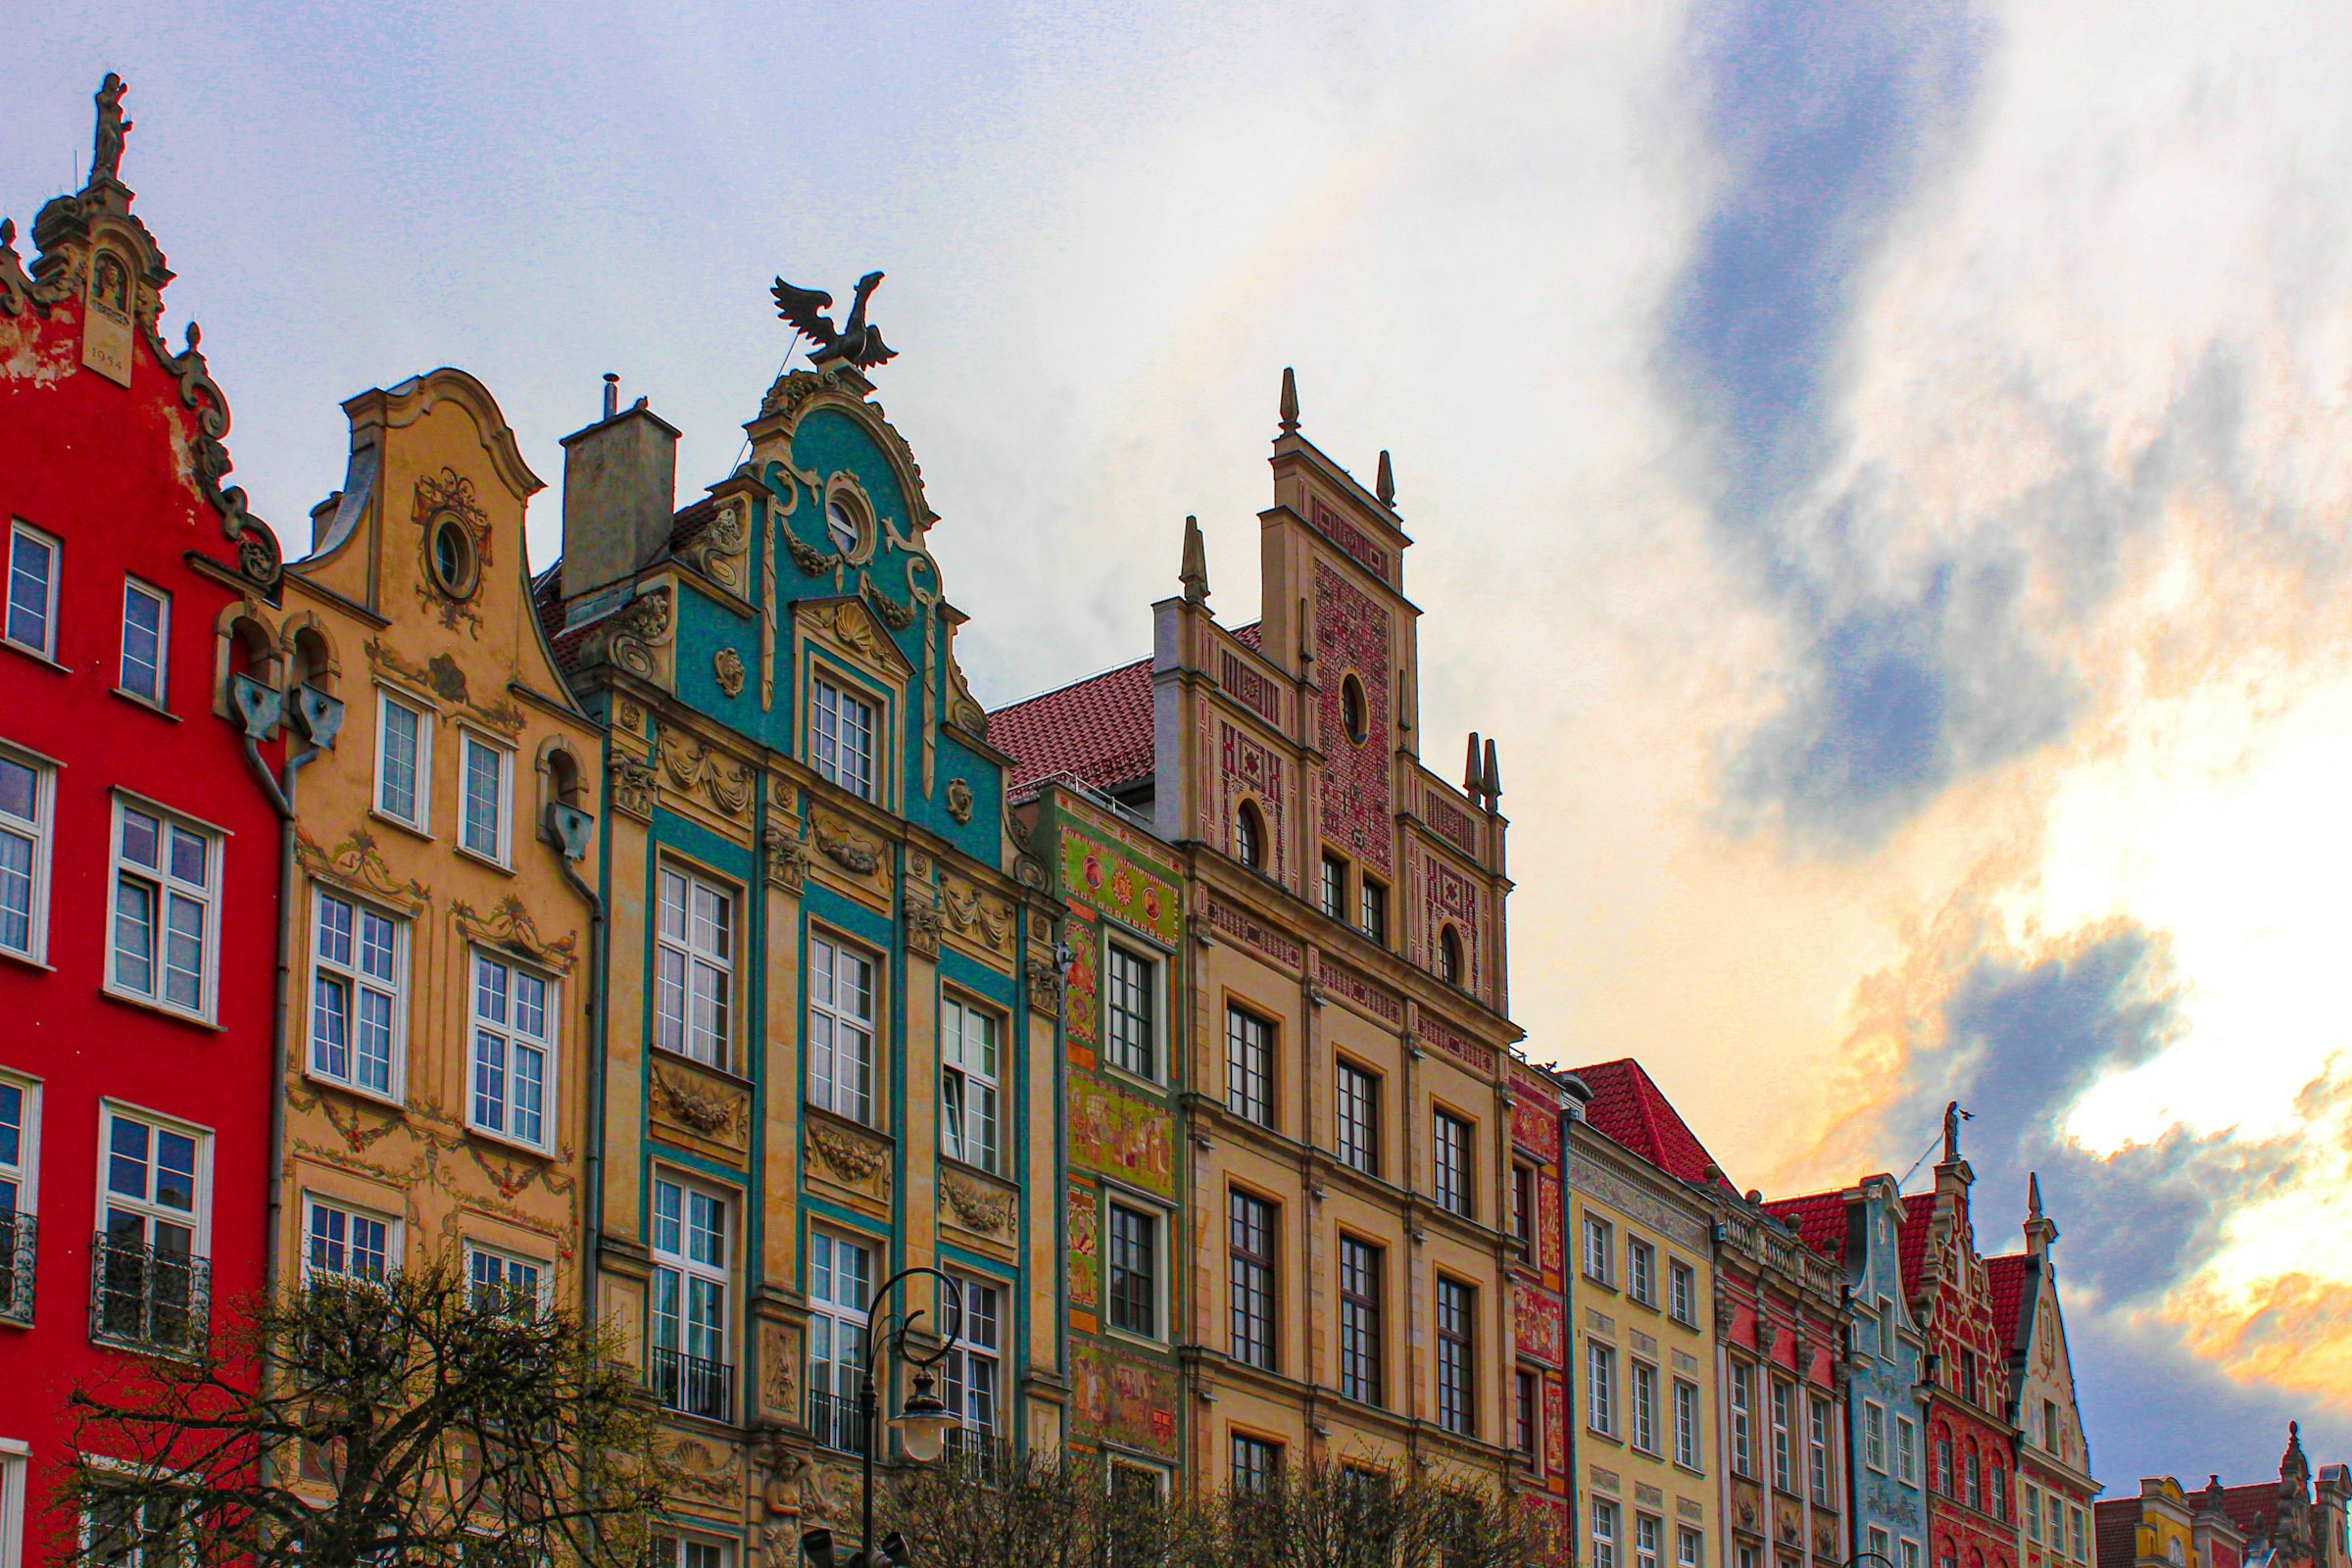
(1133, 1013)
(1451, 1167)
(15, 1467)
(1523, 1203)
(691, 1278)
(146, 637)
(1748, 1556)
(500, 1277)
(1458, 1363)
(483, 803)
(123, 1532)
(1743, 1405)
(1906, 1450)
(403, 763)
(31, 590)
(1604, 1533)
(1996, 1489)
(1600, 1388)
(27, 791)
(19, 1104)
(1910, 1556)
(1372, 910)
(1360, 1321)
(1356, 1119)
(1942, 1480)
(1249, 1066)
(1817, 1449)
(694, 967)
(685, 1551)
(1647, 1530)
(1873, 1435)
(1256, 1463)
(1690, 1548)
(346, 1243)
(1335, 887)
(975, 1367)
(1972, 1489)
(1596, 1251)
(1353, 717)
(1784, 1401)
(1641, 1271)
(513, 1051)
(1134, 1271)
(2074, 1532)
(841, 1274)
(358, 960)
(1686, 1425)
(2033, 1513)
(1527, 1402)
(1645, 1400)
(967, 1083)
(2049, 1424)
(1882, 1546)
(152, 1282)
(1449, 957)
(1251, 1221)
(841, 1029)
(1249, 837)
(1967, 1376)
(1681, 1293)
(841, 738)
(167, 873)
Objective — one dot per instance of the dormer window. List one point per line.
(1249, 837)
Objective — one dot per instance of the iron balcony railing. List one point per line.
(17, 1233)
(835, 1422)
(980, 1455)
(156, 1300)
(694, 1385)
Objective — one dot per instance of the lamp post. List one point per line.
(923, 1420)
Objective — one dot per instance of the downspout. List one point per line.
(281, 799)
(1854, 1537)
(592, 1206)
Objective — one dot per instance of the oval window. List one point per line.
(1354, 711)
(846, 525)
(453, 558)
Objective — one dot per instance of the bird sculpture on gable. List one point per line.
(859, 344)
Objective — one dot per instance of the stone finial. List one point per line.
(2033, 1195)
(106, 142)
(1492, 778)
(1385, 485)
(1290, 402)
(1194, 574)
(1474, 779)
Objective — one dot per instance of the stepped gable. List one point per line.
(1096, 730)
(2007, 1277)
(1819, 1220)
(1630, 1110)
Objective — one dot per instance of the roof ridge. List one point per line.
(1069, 685)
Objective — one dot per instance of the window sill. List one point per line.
(152, 707)
(1610, 1438)
(505, 1140)
(425, 834)
(373, 1097)
(502, 868)
(1147, 1341)
(662, 1053)
(132, 998)
(35, 654)
(28, 961)
(1157, 1086)
(984, 1172)
(1597, 1283)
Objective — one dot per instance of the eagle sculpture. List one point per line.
(858, 343)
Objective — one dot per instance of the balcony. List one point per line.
(835, 1422)
(17, 1233)
(979, 1454)
(692, 1385)
(144, 1298)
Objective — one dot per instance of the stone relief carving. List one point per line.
(449, 496)
(509, 926)
(1045, 982)
(923, 922)
(786, 856)
(855, 629)
(632, 787)
(695, 766)
(726, 668)
(977, 1208)
(629, 636)
(852, 1159)
(844, 848)
(717, 553)
(959, 800)
(708, 1476)
(973, 914)
(964, 709)
(356, 863)
(705, 1112)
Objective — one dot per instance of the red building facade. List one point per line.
(138, 852)
(1536, 1224)
(1972, 1505)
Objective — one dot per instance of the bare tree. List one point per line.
(413, 1422)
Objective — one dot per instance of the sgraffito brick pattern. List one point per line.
(1251, 688)
(1247, 769)
(1351, 637)
(1452, 896)
(1450, 822)
(1348, 537)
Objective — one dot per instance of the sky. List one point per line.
(1879, 472)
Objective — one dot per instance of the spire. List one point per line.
(2033, 1195)
(1494, 778)
(2040, 1232)
(1195, 572)
(1290, 402)
(1474, 778)
(1385, 486)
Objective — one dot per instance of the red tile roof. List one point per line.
(1633, 1111)
(1096, 730)
(1819, 1220)
(2007, 1275)
(2116, 1525)
(2253, 1509)
(1918, 1215)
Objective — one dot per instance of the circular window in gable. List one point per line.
(455, 570)
(1354, 712)
(849, 520)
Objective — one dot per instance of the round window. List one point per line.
(1354, 713)
(453, 558)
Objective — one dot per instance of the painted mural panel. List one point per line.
(1115, 883)
(1121, 1136)
(1129, 1402)
(1539, 1324)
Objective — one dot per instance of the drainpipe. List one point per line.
(592, 1205)
(281, 799)
(1854, 1537)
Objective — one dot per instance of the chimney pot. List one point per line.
(619, 494)
(612, 393)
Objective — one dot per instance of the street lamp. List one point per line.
(923, 1422)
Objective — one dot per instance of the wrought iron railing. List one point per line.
(692, 1384)
(158, 1301)
(17, 1233)
(835, 1422)
(980, 1455)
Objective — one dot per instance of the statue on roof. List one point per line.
(106, 147)
(856, 342)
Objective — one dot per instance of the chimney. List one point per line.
(621, 478)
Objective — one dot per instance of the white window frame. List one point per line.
(1873, 1435)
(315, 1204)
(833, 1027)
(1599, 1250)
(679, 1261)
(471, 741)
(1908, 1553)
(684, 1544)
(1600, 1388)
(1781, 1402)
(1641, 1399)
(1354, 1139)
(843, 1321)
(1682, 1292)
(1650, 1540)
(27, 1171)
(161, 697)
(163, 887)
(543, 1272)
(1154, 1069)
(829, 698)
(15, 1474)
(1881, 1542)
(685, 1030)
(1641, 1271)
(1820, 1448)
(50, 546)
(200, 1219)
(1686, 1424)
(1740, 1400)
(354, 978)
(40, 831)
(1604, 1532)
(1906, 1450)
(971, 1101)
(425, 717)
(1689, 1547)
(514, 1041)
(972, 1352)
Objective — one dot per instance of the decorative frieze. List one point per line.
(1452, 1040)
(1375, 998)
(1253, 933)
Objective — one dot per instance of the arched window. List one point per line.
(1997, 1489)
(1449, 957)
(1354, 712)
(314, 665)
(1249, 837)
